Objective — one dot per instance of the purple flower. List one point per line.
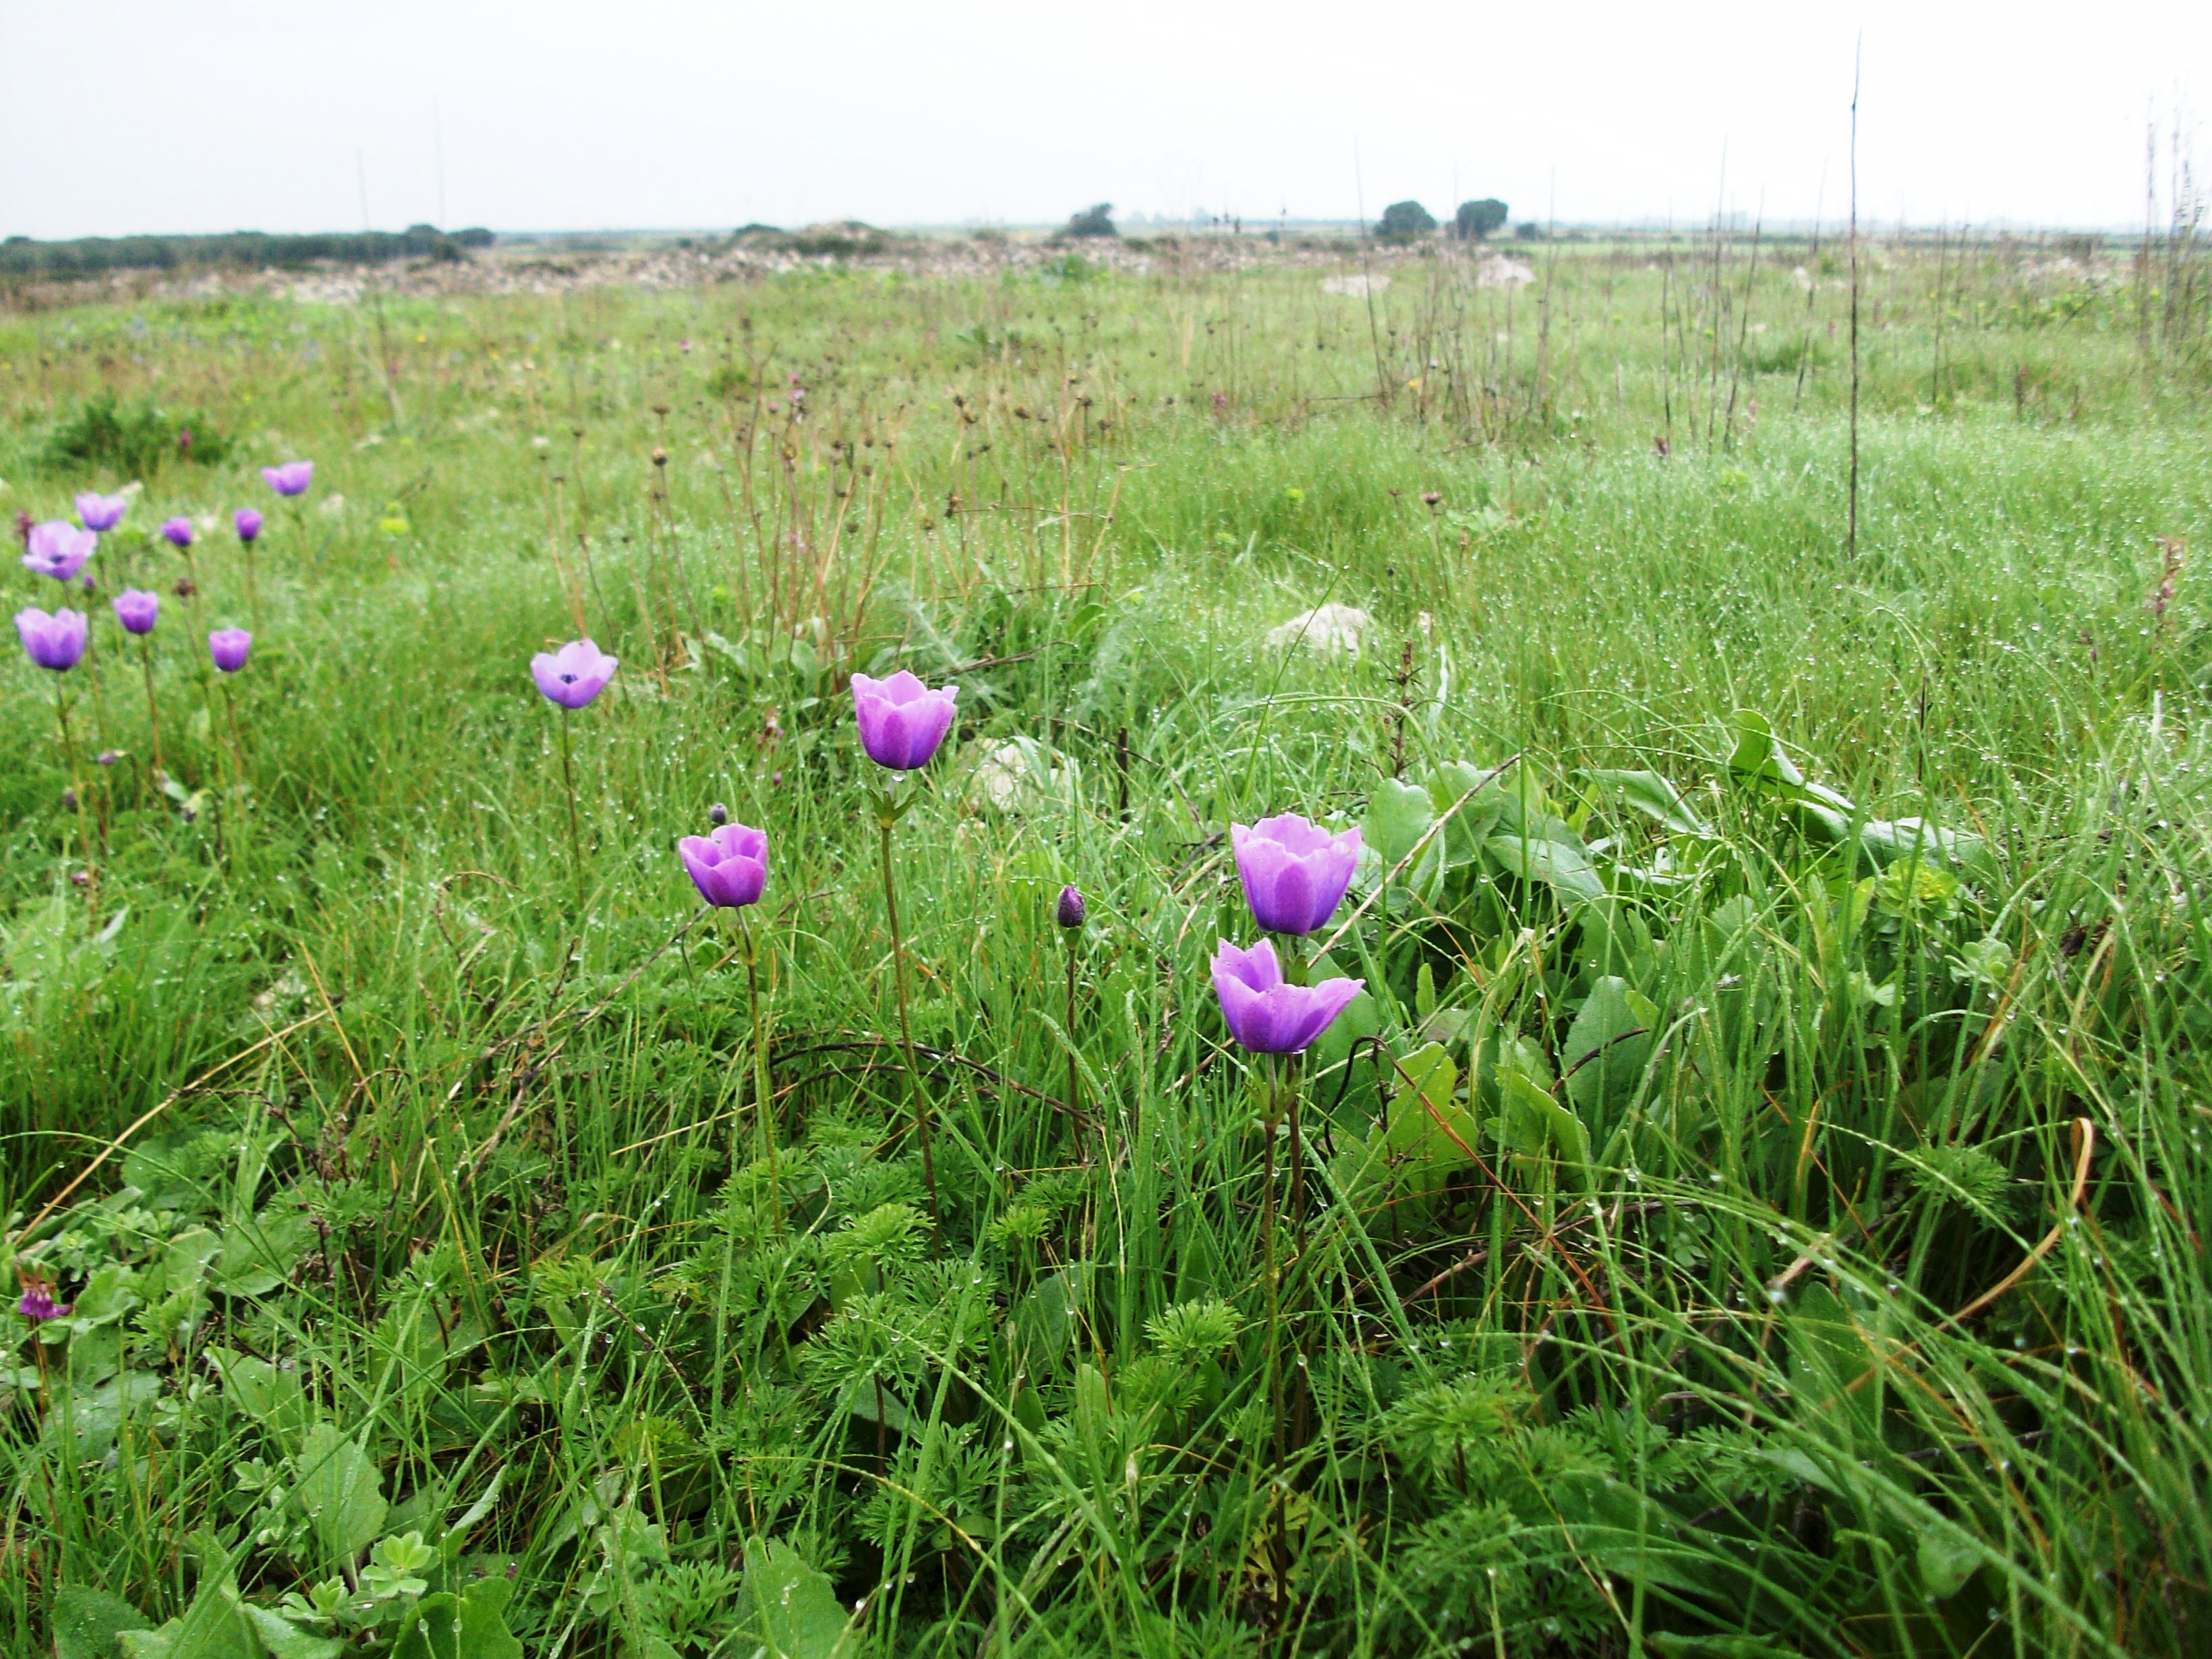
(1071, 911)
(248, 521)
(228, 646)
(102, 512)
(59, 548)
(901, 720)
(290, 479)
(39, 1306)
(574, 674)
(1265, 1015)
(178, 531)
(137, 609)
(1295, 872)
(55, 642)
(729, 866)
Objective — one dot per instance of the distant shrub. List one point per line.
(1528, 231)
(134, 440)
(90, 255)
(1096, 220)
(842, 239)
(1475, 220)
(1405, 222)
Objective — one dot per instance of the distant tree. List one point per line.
(1096, 220)
(1528, 231)
(1476, 220)
(1405, 222)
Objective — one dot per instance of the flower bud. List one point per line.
(1071, 911)
(718, 814)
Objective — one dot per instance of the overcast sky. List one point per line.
(200, 115)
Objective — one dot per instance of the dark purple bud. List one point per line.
(1071, 911)
(68, 800)
(108, 757)
(718, 814)
(248, 523)
(79, 878)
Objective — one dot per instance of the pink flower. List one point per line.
(1295, 872)
(902, 720)
(1264, 1014)
(729, 866)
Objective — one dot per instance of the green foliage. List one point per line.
(1757, 942)
(126, 441)
(1405, 222)
(1096, 220)
(1475, 220)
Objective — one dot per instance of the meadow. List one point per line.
(1751, 1208)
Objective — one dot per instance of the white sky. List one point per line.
(199, 115)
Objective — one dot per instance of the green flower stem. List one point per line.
(575, 839)
(886, 816)
(763, 1093)
(76, 789)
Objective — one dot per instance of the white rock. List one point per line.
(1011, 770)
(1326, 630)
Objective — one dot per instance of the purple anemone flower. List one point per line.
(1070, 910)
(574, 674)
(55, 642)
(1265, 1015)
(59, 548)
(1295, 872)
(102, 512)
(290, 479)
(137, 609)
(248, 522)
(178, 531)
(901, 720)
(729, 866)
(228, 646)
(39, 1306)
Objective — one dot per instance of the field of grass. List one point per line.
(1753, 1210)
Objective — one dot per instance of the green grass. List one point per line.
(1653, 1199)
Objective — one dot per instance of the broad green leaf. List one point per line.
(215, 1627)
(1537, 1125)
(1397, 814)
(1759, 755)
(1566, 868)
(1653, 796)
(1424, 1115)
(87, 1623)
(479, 1631)
(1608, 1043)
(792, 1611)
(1887, 841)
(1946, 1559)
(286, 1640)
(270, 1394)
(341, 1492)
